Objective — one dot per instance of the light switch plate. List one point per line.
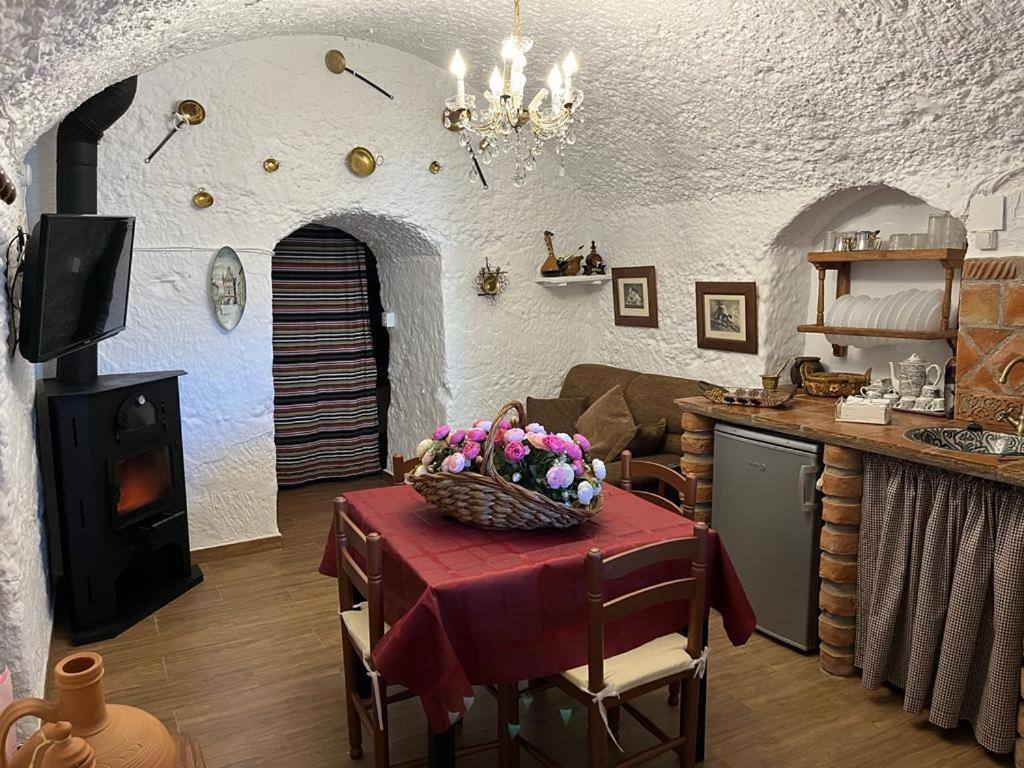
(987, 213)
(387, 319)
(986, 240)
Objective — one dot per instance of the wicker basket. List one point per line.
(488, 500)
(834, 384)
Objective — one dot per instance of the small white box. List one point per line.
(987, 213)
(387, 319)
(864, 410)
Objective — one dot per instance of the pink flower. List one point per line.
(582, 442)
(536, 440)
(536, 428)
(477, 434)
(454, 463)
(457, 436)
(442, 432)
(505, 424)
(514, 435)
(471, 450)
(554, 443)
(560, 476)
(499, 436)
(577, 468)
(515, 451)
(573, 451)
(482, 424)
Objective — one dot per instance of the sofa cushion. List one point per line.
(648, 439)
(608, 424)
(592, 381)
(556, 414)
(652, 397)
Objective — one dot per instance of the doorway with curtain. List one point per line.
(331, 388)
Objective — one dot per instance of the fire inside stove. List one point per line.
(143, 479)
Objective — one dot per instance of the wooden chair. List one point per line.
(684, 485)
(401, 466)
(606, 686)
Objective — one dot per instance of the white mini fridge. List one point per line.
(767, 511)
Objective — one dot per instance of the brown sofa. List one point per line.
(649, 396)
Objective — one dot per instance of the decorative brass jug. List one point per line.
(118, 735)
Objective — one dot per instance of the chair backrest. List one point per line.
(351, 541)
(401, 466)
(684, 485)
(691, 588)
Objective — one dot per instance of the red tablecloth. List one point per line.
(473, 606)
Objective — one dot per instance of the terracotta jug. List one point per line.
(59, 749)
(118, 735)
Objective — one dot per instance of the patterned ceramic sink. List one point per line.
(969, 440)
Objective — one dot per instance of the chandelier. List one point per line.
(508, 124)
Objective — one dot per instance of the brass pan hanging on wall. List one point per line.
(362, 162)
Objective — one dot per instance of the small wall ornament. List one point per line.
(491, 282)
(336, 63)
(362, 161)
(227, 288)
(188, 112)
(202, 199)
(271, 165)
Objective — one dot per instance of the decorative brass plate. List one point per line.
(192, 111)
(361, 161)
(434, 167)
(452, 119)
(335, 61)
(271, 164)
(202, 199)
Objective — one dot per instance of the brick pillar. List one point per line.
(842, 485)
(698, 446)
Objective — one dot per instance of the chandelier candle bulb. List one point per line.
(569, 68)
(495, 83)
(458, 68)
(555, 84)
(508, 52)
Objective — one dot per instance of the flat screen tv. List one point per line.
(75, 289)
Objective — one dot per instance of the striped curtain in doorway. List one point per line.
(325, 406)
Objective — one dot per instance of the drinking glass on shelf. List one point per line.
(938, 230)
(830, 241)
(899, 242)
(919, 240)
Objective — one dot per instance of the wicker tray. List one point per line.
(834, 383)
(761, 398)
(488, 500)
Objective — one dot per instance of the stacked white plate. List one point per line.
(911, 310)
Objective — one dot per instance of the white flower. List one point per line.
(597, 488)
(421, 470)
(424, 446)
(599, 470)
(585, 493)
(428, 458)
(516, 477)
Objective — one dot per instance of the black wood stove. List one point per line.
(114, 485)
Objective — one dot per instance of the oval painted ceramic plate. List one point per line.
(227, 288)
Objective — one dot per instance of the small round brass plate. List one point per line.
(335, 61)
(271, 164)
(202, 199)
(434, 167)
(361, 161)
(192, 111)
(489, 283)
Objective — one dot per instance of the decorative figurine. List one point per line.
(594, 264)
(550, 267)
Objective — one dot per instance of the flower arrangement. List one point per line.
(556, 465)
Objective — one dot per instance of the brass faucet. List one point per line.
(1017, 422)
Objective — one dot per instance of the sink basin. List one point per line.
(969, 440)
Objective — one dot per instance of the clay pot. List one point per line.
(118, 735)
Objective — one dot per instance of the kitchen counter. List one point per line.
(814, 418)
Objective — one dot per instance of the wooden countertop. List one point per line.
(814, 418)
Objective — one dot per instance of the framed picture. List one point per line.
(727, 316)
(636, 296)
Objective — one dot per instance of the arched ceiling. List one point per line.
(688, 98)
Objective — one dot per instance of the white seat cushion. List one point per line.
(658, 658)
(357, 622)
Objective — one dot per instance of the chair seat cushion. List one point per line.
(357, 622)
(654, 660)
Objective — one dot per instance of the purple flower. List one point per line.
(505, 424)
(574, 451)
(582, 442)
(477, 434)
(578, 469)
(554, 443)
(442, 432)
(457, 436)
(515, 451)
(536, 428)
(514, 435)
(560, 476)
(471, 450)
(482, 424)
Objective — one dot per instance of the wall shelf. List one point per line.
(561, 282)
(949, 259)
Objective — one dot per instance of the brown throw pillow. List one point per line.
(648, 439)
(608, 424)
(557, 414)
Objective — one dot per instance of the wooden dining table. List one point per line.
(472, 606)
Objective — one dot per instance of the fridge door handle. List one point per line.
(808, 500)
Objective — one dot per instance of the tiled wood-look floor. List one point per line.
(249, 663)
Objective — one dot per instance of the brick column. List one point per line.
(698, 446)
(842, 484)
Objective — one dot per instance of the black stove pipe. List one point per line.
(78, 139)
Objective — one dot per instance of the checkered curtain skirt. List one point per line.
(940, 594)
(325, 375)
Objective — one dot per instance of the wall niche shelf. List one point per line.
(561, 282)
(950, 259)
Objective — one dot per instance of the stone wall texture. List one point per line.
(720, 140)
